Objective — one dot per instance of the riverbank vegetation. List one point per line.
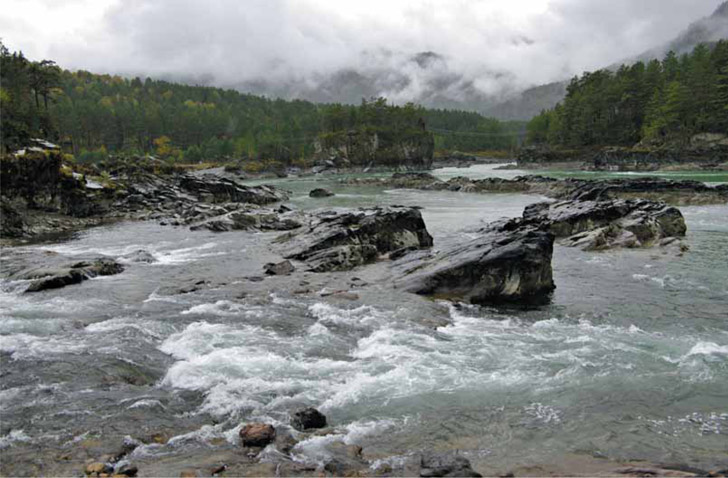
(92, 116)
(660, 102)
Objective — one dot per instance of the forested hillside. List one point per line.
(664, 101)
(93, 115)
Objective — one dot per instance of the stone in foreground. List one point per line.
(257, 434)
(446, 465)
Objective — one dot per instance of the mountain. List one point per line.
(533, 100)
(706, 30)
(425, 78)
(429, 78)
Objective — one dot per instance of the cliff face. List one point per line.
(33, 176)
(37, 196)
(370, 149)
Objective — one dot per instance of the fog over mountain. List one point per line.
(456, 54)
(530, 102)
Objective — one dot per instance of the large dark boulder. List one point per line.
(343, 240)
(307, 419)
(63, 274)
(320, 193)
(507, 262)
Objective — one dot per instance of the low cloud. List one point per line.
(436, 51)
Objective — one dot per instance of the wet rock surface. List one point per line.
(506, 262)
(40, 197)
(320, 193)
(139, 256)
(257, 434)
(308, 418)
(335, 241)
(446, 465)
(594, 225)
(250, 218)
(280, 269)
(67, 273)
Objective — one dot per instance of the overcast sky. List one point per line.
(519, 42)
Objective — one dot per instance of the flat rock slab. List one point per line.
(67, 273)
(605, 224)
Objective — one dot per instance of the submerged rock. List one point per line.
(320, 193)
(55, 277)
(257, 434)
(336, 241)
(505, 263)
(308, 418)
(139, 256)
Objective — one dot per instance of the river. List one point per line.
(628, 361)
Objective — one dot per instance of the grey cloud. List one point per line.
(442, 53)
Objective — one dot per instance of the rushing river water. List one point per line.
(629, 361)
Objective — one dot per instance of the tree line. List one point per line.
(93, 115)
(659, 102)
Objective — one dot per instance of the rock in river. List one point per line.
(243, 220)
(446, 465)
(337, 241)
(139, 255)
(63, 274)
(280, 269)
(222, 189)
(507, 262)
(257, 434)
(308, 418)
(605, 224)
(320, 193)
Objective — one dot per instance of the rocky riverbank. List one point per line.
(41, 196)
(262, 449)
(655, 189)
(706, 151)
